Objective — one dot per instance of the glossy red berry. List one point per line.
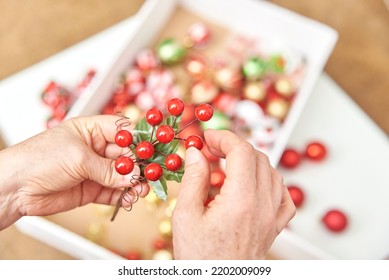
(315, 151)
(159, 244)
(154, 117)
(335, 220)
(175, 107)
(204, 112)
(124, 165)
(153, 171)
(297, 195)
(290, 158)
(165, 134)
(145, 150)
(194, 141)
(173, 162)
(217, 178)
(123, 138)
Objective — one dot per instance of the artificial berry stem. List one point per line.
(152, 133)
(119, 204)
(188, 124)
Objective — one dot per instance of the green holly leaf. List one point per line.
(160, 188)
(174, 175)
(142, 131)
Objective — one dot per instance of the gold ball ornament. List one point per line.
(277, 108)
(284, 87)
(254, 91)
(96, 233)
(162, 255)
(165, 228)
(133, 113)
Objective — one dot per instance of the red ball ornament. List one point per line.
(290, 158)
(194, 141)
(315, 151)
(146, 60)
(217, 178)
(133, 255)
(297, 195)
(173, 162)
(196, 67)
(160, 244)
(145, 150)
(124, 165)
(335, 220)
(123, 138)
(175, 107)
(165, 134)
(154, 117)
(199, 34)
(204, 112)
(153, 171)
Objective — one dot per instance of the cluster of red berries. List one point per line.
(145, 150)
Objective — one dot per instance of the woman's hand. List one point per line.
(244, 219)
(62, 168)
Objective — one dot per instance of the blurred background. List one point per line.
(33, 30)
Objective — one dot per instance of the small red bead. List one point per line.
(124, 165)
(154, 117)
(173, 162)
(145, 150)
(153, 171)
(123, 138)
(204, 112)
(315, 151)
(175, 107)
(297, 195)
(217, 178)
(335, 220)
(165, 134)
(290, 158)
(194, 141)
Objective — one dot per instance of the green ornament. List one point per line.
(276, 64)
(254, 68)
(219, 121)
(170, 51)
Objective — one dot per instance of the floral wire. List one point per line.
(122, 122)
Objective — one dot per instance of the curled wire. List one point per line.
(122, 122)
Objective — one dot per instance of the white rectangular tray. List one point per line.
(313, 39)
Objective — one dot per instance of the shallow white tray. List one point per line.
(68, 66)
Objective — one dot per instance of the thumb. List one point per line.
(195, 182)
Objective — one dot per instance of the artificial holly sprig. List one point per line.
(153, 145)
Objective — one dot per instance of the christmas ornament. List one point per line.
(297, 195)
(254, 68)
(170, 51)
(162, 255)
(290, 158)
(254, 91)
(315, 151)
(199, 34)
(335, 220)
(203, 92)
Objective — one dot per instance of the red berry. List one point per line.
(315, 151)
(123, 138)
(173, 162)
(217, 178)
(124, 165)
(154, 117)
(153, 171)
(175, 107)
(297, 195)
(145, 150)
(290, 158)
(335, 220)
(165, 134)
(204, 112)
(194, 141)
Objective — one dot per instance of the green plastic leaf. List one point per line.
(160, 188)
(174, 175)
(142, 131)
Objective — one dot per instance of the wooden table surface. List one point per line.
(37, 29)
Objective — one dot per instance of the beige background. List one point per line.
(37, 29)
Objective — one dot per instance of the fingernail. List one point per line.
(192, 156)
